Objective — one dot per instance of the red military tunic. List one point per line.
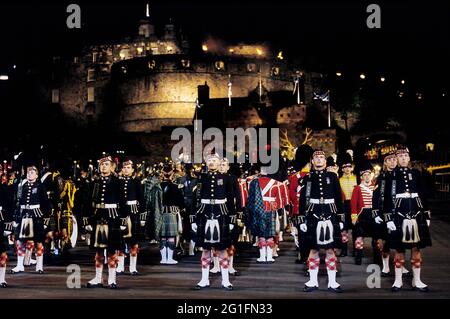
(274, 193)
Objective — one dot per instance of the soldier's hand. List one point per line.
(428, 222)
(391, 226)
(231, 226)
(142, 223)
(341, 225)
(88, 228)
(122, 228)
(194, 227)
(15, 224)
(378, 220)
(303, 227)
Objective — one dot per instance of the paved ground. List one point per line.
(281, 280)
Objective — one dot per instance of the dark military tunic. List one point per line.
(167, 223)
(321, 208)
(407, 207)
(215, 211)
(34, 211)
(105, 218)
(187, 185)
(380, 195)
(131, 203)
(5, 216)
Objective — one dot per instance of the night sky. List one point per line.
(326, 36)
(320, 33)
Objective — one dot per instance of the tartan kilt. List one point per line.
(218, 212)
(395, 238)
(266, 227)
(347, 215)
(311, 233)
(364, 226)
(169, 223)
(38, 229)
(137, 231)
(53, 223)
(3, 239)
(112, 240)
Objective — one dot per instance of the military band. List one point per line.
(216, 209)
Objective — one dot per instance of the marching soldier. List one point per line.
(321, 217)
(380, 196)
(265, 197)
(407, 219)
(33, 219)
(168, 202)
(361, 208)
(214, 219)
(224, 168)
(5, 230)
(105, 223)
(302, 164)
(133, 219)
(187, 184)
(348, 183)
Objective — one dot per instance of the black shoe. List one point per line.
(89, 285)
(40, 272)
(310, 289)
(407, 274)
(112, 286)
(236, 273)
(118, 273)
(396, 289)
(385, 274)
(198, 287)
(3, 285)
(424, 289)
(230, 287)
(306, 273)
(343, 252)
(337, 290)
(134, 273)
(12, 272)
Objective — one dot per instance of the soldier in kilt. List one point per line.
(187, 183)
(132, 217)
(33, 219)
(407, 219)
(214, 219)
(5, 230)
(321, 218)
(168, 225)
(361, 209)
(105, 223)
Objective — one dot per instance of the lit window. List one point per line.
(151, 64)
(94, 57)
(251, 67)
(91, 75)
(220, 65)
(55, 96)
(275, 71)
(140, 50)
(186, 63)
(91, 95)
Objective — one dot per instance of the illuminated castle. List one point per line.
(153, 82)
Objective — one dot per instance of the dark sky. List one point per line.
(413, 40)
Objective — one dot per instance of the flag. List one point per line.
(297, 88)
(325, 97)
(229, 90)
